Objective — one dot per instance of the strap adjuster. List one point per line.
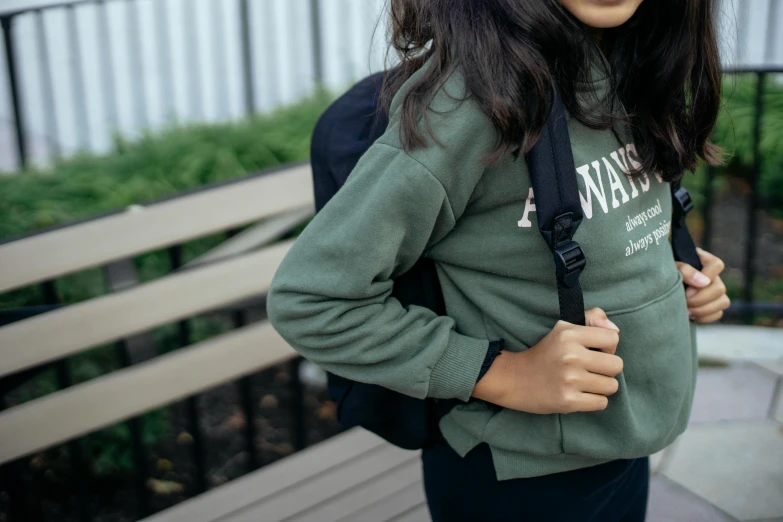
(683, 202)
(570, 260)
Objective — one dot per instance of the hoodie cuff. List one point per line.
(454, 375)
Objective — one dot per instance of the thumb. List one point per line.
(597, 317)
(691, 276)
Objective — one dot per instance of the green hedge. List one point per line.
(734, 132)
(156, 165)
(183, 157)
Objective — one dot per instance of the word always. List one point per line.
(593, 175)
(643, 217)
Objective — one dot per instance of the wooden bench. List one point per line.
(281, 199)
(354, 476)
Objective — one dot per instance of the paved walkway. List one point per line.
(728, 466)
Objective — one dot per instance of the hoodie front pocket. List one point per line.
(528, 432)
(654, 401)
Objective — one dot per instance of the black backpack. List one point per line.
(342, 135)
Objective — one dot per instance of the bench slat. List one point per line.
(255, 236)
(97, 242)
(394, 505)
(365, 496)
(78, 327)
(236, 496)
(312, 492)
(100, 402)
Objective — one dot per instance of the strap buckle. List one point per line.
(682, 204)
(570, 260)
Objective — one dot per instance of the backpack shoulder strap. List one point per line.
(682, 243)
(559, 212)
(558, 209)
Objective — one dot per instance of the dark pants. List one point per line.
(466, 490)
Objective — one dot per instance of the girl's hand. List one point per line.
(560, 374)
(706, 293)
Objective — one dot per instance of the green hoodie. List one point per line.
(330, 297)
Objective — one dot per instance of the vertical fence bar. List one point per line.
(193, 56)
(194, 427)
(11, 481)
(7, 23)
(191, 403)
(137, 68)
(238, 320)
(709, 180)
(45, 71)
(77, 79)
(164, 57)
(75, 453)
(141, 469)
(136, 428)
(315, 27)
(248, 405)
(247, 57)
(221, 74)
(297, 405)
(754, 202)
(16, 491)
(107, 77)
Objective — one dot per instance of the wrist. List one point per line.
(494, 349)
(492, 385)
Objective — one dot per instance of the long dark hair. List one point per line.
(663, 64)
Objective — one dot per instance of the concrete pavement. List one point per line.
(728, 465)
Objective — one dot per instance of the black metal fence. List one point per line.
(754, 205)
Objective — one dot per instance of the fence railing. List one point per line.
(754, 204)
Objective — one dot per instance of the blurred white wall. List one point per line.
(201, 78)
(199, 75)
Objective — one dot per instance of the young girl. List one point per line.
(556, 420)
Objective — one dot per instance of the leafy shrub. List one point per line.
(734, 132)
(159, 164)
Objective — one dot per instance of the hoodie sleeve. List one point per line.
(330, 298)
